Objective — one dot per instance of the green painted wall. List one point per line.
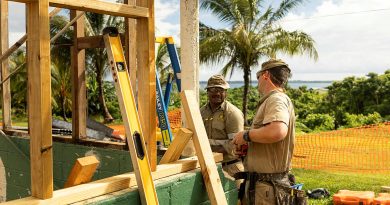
(15, 173)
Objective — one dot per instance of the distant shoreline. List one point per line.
(293, 84)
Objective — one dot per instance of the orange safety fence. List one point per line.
(364, 149)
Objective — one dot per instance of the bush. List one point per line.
(352, 120)
(319, 122)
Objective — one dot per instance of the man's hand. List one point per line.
(239, 143)
(238, 139)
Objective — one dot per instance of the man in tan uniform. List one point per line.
(222, 120)
(270, 140)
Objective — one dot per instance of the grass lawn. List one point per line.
(335, 181)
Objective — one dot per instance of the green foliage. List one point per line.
(353, 120)
(319, 122)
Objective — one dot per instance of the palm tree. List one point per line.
(19, 81)
(97, 58)
(60, 68)
(253, 34)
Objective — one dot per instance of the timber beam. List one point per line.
(93, 42)
(100, 7)
(111, 184)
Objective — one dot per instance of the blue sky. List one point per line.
(348, 44)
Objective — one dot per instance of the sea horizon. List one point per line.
(314, 84)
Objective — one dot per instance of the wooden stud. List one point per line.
(101, 7)
(82, 171)
(104, 186)
(146, 76)
(79, 88)
(130, 47)
(202, 147)
(6, 88)
(177, 146)
(39, 98)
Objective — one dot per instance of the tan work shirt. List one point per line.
(227, 119)
(275, 157)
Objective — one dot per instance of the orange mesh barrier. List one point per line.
(174, 117)
(365, 149)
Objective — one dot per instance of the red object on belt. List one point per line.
(243, 150)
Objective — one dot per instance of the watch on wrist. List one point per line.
(246, 136)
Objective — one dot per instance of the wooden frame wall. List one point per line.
(38, 65)
(6, 89)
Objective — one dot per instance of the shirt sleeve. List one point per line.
(276, 110)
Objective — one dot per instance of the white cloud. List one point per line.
(350, 44)
(167, 18)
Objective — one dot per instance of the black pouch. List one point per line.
(288, 196)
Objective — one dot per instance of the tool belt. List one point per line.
(284, 194)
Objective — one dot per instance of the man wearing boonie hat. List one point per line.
(222, 120)
(270, 141)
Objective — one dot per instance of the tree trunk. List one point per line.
(99, 78)
(245, 96)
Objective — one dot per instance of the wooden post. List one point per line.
(146, 76)
(130, 47)
(82, 171)
(203, 149)
(79, 89)
(39, 98)
(6, 89)
(176, 148)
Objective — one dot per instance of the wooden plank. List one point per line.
(93, 42)
(6, 87)
(111, 184)
(82, 171)
(177, 146)
(90, 42)
(39, 98)
(202, 147)
(98, 6)
(131, 47)
(79, 88)
(385, 188)
(146, 77)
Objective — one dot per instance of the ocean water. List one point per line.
(293, 84)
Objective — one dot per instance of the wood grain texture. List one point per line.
(39, 98)
(82, 171)
(111, 184)
(202, 147)
(177, 146)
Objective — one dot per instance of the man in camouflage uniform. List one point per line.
(222, 120)
(270, 140)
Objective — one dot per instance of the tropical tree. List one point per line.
(97, 58)
(19, 81)
(254, 34)
(60, 68)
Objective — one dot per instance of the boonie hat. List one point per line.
(217, 81)
(272, 63)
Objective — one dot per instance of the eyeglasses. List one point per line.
(215, 90)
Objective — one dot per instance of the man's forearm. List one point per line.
(271, 133)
